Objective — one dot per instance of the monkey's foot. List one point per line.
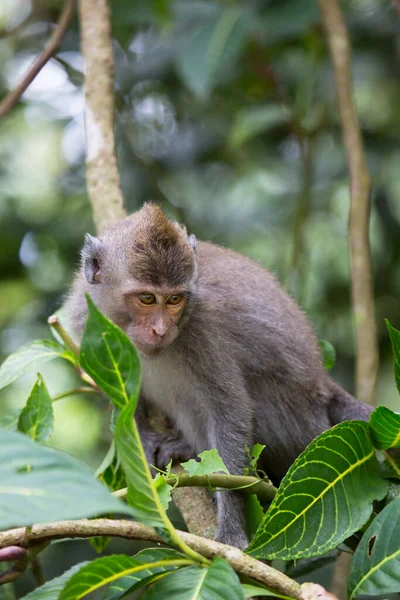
(175, 449)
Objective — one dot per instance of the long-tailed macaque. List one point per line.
(226, 354)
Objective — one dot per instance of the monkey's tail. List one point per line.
(344, 407)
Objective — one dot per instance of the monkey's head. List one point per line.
(143, 270)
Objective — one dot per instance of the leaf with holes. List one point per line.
(385, 428)
(30, 355)
(219, 582)
(36, 418)
(375, 568)
(108, 569)
(110, 358)
(57, 486)
(210, 462)
(324, 498)
(51, 589)
(395, 339)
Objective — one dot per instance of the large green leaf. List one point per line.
(395, 339)
(110, 358)
(211, 49)
(37, 417)
(385, 426)
(108, 569)
(375, 568)
(51, 589)
(56, 487)
(325, 497)
(129, 583)
(218, 582)
(142, 494)
(32, 354)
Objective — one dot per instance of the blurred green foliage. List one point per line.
(226, 114)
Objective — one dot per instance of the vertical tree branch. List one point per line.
(360, 251)
(360, 188)
(102, 175)
(103, 180)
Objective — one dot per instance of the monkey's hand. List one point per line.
(152, 441)
(175, 449)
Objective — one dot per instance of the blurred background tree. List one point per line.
(226, 114)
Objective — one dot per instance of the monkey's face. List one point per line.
(155, 317)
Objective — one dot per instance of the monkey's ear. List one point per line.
(193, 242)
(91, 258)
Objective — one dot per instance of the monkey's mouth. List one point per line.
(150, 349)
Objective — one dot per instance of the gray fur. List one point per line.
(245, 368)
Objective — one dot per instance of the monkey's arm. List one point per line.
(230, 431)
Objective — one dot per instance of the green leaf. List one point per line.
(324, 498)
(108, 569)
(210, 50)
(126, 585)
(51, 589)
(32, 354)
(10, 420)
(328, 354)
(110, 358)
(385, 428)
(253, 456)
(37, 417)
(375, 568)
(100, 542)
(218, 582)
(142, 494)
(210, 462)
(110, 471)
(57, 487)
(252, 591)
(253, 513)
(252, 121)
(395, 339)
(164, 491)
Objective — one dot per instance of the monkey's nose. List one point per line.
(158, 333)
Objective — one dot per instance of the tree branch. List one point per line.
(241, 562)
(246, 484)
(103, 181)
(102, 175)
(62, 26)
(360, 188)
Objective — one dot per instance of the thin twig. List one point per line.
(54, 322)
(74, 392)
(360, 188)
(241, 562)
(244, 483)
(62, 26)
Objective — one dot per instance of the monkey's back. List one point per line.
(256, 328)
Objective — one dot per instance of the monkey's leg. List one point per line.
(230, 434)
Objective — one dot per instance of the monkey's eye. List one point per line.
(147, 298)
(175, 299)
